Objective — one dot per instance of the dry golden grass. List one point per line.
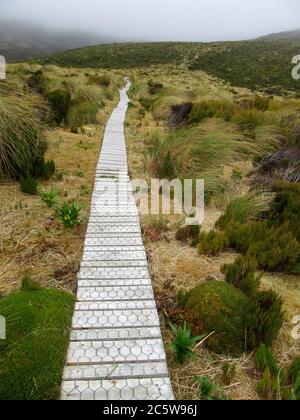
(32, 241)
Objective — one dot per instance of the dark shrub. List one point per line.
(188, 233)
(29, 185)
(294, 370)
(38, 82)
(212, 243)
(264, 359)
(154, 88)
(275, 248)
(286, 209)
(60, 101)
(242, 274)
(263, 319)
(268, 386)
(43, 169)
(179, 114)
(218, 306)
(146, 103)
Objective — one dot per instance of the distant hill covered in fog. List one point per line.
(21, 42)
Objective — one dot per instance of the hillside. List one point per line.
(22, 42)
(259, 64)
(295, 34)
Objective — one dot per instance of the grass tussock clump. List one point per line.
(21, 139)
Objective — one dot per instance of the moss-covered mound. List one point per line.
(218, 306)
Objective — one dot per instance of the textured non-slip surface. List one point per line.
(116, 351)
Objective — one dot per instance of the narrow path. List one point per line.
(116, 350)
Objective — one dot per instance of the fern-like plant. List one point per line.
(183, 344)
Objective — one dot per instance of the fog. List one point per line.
(159, 20)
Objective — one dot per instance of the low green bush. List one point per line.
(242, 274)
(212, 243)
(208, 391)
(82, 111)
(188, 233)
(43, 169)
(29, 185)
(263, 318)
(275, 248)
(184, 343)
(60, 101)
(218, 307)
(264, 359)
(294, 370)
(268, 386)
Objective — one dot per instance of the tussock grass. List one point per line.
(21, 140)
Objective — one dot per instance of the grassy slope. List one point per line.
(32, 357)
(254, 64)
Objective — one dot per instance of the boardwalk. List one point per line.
(116, 350)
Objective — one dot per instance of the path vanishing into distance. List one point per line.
(116, 350)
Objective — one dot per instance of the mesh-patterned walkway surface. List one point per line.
(116, 350)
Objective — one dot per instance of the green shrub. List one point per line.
(157, 223)
(82, 111)
(69, 214)
(208, 391)
(212, 243)
(43, 169)
(38, 82)
(242, 209)
(146, 103)
(60, 101)
(263, 319)
(183, 343)
(267, 387)
(29, 185)
(188, 233)
(275, 248)
(218, 307)
(49, 197)
(264, 359)
(294, 370)
(286, 209)
(242, 274)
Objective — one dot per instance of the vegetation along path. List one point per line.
(116, 350)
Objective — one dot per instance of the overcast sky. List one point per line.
(154, 20)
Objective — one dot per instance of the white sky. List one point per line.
(155, 20)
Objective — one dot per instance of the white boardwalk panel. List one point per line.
(116, 350)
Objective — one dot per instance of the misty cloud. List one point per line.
(160, 20)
